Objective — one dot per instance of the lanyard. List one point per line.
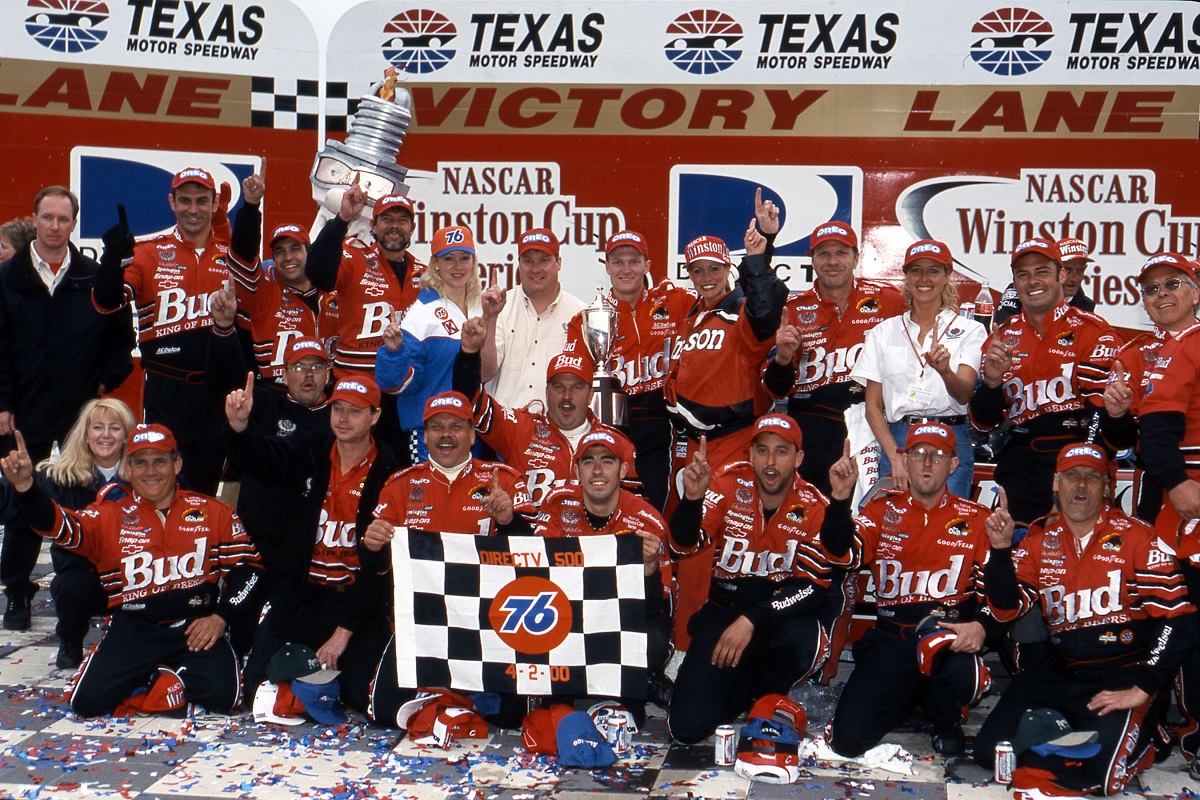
(920, 358)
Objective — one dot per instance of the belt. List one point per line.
(914, 419)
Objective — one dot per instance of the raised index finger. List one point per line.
(250, 382)
(1001, 498)
(20, 440)
(702, 450)
(758, 203)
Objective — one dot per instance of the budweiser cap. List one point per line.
(568, 363)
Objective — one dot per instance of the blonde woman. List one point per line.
(87, 469)
(922, 366)
(417, 358)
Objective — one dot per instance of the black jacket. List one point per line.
(56, 351)
(297, 472)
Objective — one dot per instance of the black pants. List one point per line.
(77, 592)
(312, 623)
(777, 656)
(128, 655)
(1187, 682)
(824, 437)
(652, 457)
(21, 547)
(194, 418)
(886, 684)
(1125, 736)
(1027, 476)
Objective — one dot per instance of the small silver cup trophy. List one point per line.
(599, 336)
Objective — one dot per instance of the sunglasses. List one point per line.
(1170, 285)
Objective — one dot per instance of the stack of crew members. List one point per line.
(1056, 374)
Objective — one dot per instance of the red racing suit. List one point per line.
(170, 284)
(1051, 394)
(830, 344)
(924, 561)
(369, 290)
(195, 562)
(1116, 604)
(274, 313)
(770, 568)
(421, 497)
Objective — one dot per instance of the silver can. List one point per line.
(1006, 762)
(619, 736)
(725, 746)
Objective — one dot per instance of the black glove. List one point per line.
(118, 243)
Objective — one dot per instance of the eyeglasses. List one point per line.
(1170, 285)
(300, 369)
(926, 454)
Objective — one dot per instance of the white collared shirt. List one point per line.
(889, 357)
(526, 342)
(41, 266)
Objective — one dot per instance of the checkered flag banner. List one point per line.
(520, 614)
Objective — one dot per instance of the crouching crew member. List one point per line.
(177, 566)
(777, 542)
(927, 549)
(1120, 624)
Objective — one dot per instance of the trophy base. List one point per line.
(608, 401)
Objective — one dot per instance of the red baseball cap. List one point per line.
(455, 237)
(1082, 455)
(707, 248)
(934, 434)
(358, 392)
(289, 231)
(579, 366)
(780, 709)
(150, 437)
(1167, 260)
(781, 425)
(928, 248)
(1071, 249)
(627, 239)
(303, 348)
(1036, 245)
(454, 403)
(832, 231)
(194, 175)
(615, 443)
(539, 729)
(542, 239)
(390, 201)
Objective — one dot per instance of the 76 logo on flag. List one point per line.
(531, 615)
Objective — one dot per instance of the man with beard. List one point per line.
(777, 545)
(375, 284)
(1110, 590)
(333, 486)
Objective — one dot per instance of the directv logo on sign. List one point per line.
(701, 41)
(67, 26)
(1011, 41)
(418, 41)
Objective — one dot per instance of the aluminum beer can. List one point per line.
(725, 747)
(1006, 762)
(619, 737)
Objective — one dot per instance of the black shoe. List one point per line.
(70, 654)
(950, 743)
(1194, 771)
(19, 614)
(659, 690)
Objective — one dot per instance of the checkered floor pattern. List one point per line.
(46, 752)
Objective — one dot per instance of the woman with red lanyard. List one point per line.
(922, 365)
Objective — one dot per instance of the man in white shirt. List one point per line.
(532, 327)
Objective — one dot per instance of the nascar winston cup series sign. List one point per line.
(521, 614)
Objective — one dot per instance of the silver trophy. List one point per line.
(599, 336)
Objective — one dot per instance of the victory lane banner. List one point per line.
(520, 614)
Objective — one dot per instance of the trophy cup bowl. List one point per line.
(599, 336)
